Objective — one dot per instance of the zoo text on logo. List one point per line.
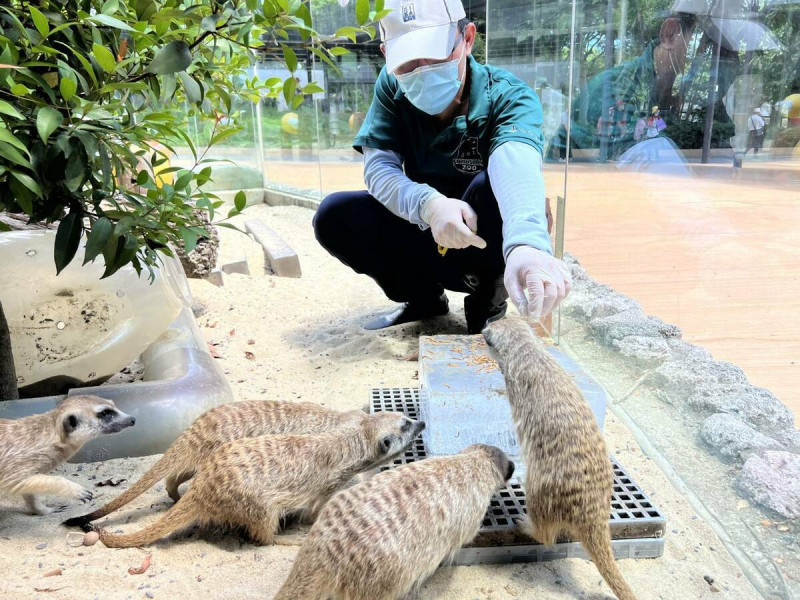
(408, 12)
(468, 159)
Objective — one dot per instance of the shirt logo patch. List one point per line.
(468, 159)
(409, 14)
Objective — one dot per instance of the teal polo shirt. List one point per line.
(502, 109)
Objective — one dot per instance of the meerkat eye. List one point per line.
(106, 414)
(70, 423)
(386, 444)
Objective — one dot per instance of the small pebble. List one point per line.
(714, 588)
(709, 579)
(90, 539)
(41, 546)
(149, 594)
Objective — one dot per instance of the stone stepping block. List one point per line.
(280, 258)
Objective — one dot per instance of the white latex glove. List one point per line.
(547, 280)
(453, 223)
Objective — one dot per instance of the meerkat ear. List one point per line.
(70, 424)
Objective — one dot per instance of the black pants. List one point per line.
(404, 260)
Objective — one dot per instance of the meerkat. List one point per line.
(33, 446)
(256, 481)
(568, 480)
(219, 426)
(382, 538)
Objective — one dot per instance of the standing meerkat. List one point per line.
(382, 538)
(219, 426)
(33, 446)
(569, 479)
(256, 481)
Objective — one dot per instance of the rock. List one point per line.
(597, 301)
(41, 546)
(631, 322)
(681, 350)
(201, 261)
(757, 406)
(643, 349)
(733, 438)
(90, 539)
(198, 308)
(773, 480)
(681, 379)
(790, 439)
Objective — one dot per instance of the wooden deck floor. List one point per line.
(716, 256)
(721, 259)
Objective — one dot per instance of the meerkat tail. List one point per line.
(163, 468)
(598, 545)
(301, 585)
(179, 516)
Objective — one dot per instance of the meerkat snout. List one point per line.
(510, 470)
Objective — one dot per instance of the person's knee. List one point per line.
(331, 218)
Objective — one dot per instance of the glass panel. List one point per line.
(540, 57)
(289, 135)
(683, 196)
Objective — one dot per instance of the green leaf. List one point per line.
(290, 57)
(191, 87)
(289, 87)
(111, 22)
(105, 58)
(7, 109)
(28, 182)
(39, 21)
(362, 11)
(297, 101)
(312, 88)
(19, 89)
(145, 9)
(12, 154)
(284, 4)
(4, 227)
(10, 138)
(348, 32)
(172, 58)
(75, 173)
(381, 14)
(22, 196)
(98, 238)
(378, 5)
(240, 200)
(338, 51)
(183, 180)
(68, 238)
(47, 121)
(68, 86)
(189, 238)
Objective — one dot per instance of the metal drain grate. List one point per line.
(637, 526)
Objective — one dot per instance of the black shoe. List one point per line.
(410, 311)
(478, 320)
(486, 304)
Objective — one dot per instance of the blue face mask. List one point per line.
(432, 88)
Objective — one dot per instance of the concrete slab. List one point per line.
(280, 257)
(215, 277)
(464, 399)
(236, 266)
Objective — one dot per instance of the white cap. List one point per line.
(420, 29)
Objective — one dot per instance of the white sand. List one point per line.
(308, 346)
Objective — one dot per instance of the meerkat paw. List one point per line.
(58, 509)
(83, 494)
